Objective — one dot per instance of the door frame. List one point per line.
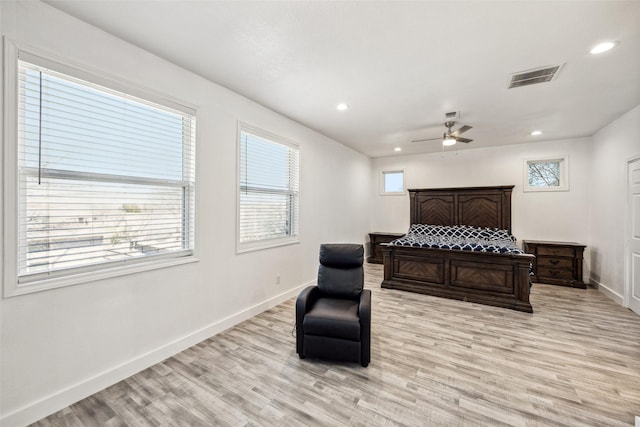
(627, 237)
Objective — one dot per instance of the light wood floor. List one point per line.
(575, 361)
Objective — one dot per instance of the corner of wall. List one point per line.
(610, 293)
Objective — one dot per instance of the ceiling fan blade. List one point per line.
(460, 131)
(455, 135)
(427, 139)
(465, 140)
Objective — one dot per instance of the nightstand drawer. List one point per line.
(556, 251)
(554, 273)
(566, 263)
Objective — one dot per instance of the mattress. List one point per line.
(459, 237)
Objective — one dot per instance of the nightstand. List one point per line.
(556, 263)
(375, 250)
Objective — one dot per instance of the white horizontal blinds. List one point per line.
(268, 189)
(104, 177)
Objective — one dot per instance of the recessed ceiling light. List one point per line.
(536, 133)
(342, 107)
(397, 149)
(602, 47)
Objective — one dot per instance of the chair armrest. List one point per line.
(305, 300)
(364, 312)
(364, 308)
(303, 303)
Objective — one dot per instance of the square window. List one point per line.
(546, 174)
(392, 182)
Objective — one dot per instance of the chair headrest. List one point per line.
(341, 255)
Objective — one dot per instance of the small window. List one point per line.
(549, 174)
(268, 190)
(392, 182)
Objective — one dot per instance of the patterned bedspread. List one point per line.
(461, 237)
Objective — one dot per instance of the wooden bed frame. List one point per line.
(500, 280)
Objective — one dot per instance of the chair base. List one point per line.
(332, 349)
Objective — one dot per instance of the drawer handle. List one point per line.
(554, 261)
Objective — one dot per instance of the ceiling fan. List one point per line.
(449, 137)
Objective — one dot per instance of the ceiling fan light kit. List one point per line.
(448, 141)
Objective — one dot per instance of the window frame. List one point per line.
(382, 183)
(13, 285)
(294, 238)
(563, 178)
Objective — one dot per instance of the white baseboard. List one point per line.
(613, 295)
(61, 399)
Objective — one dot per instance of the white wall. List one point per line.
(613, 146)
(61, 345)
(559, 216)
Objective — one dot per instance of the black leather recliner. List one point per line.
(333, 319)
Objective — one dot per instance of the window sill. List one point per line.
(539, 189)
(92, 276)
(265, 245)
(394, 193)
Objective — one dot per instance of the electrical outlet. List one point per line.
(277, 279)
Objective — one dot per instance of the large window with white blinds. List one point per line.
(104, 178)
(268, 190)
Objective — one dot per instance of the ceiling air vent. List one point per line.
(532, 77)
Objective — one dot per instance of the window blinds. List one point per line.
(104, 177)
(268, 200)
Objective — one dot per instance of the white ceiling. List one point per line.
(399, 65)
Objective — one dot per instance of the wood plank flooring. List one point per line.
(575, 361)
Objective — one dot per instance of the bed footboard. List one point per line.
(500, 280)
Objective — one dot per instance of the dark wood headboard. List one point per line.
(477, 206)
